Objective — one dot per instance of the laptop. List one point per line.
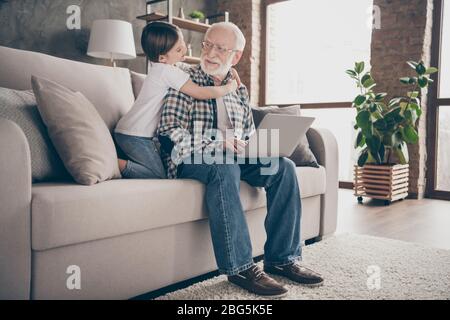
(277, 136)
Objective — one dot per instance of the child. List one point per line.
(164, 45)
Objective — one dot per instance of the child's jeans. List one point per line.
(144, 158)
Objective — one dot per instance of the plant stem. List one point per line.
(410, 98)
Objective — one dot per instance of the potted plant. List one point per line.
(384, 130)
(196, 15)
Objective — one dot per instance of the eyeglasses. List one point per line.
(208, 46)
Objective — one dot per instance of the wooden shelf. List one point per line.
(182, 23)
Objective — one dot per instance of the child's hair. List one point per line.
(158, 38)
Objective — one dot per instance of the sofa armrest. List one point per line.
(324, 146)
(15, 211)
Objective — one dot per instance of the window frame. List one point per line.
(433, 106)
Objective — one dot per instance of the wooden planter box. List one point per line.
(385, 182)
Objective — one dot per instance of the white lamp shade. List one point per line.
(112, 39)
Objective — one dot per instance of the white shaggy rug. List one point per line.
(354, 267)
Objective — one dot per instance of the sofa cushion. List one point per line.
(21, 107)
(109, 89)
(137, 80)
(78, 133)
(64, 214)
(302, 155)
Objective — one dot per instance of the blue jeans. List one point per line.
(144, 159)
(229, 231)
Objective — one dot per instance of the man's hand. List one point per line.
(234, 145)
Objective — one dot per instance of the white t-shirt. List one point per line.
(143, 118)
(223, 120)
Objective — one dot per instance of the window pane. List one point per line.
(444, 88)
(443, 153)
(340, 122)
(310, 44)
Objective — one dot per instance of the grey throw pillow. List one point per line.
(302, 156)
(21, 108)
(78, 133)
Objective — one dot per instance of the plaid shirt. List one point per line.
(189, 126)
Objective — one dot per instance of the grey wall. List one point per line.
(40, 25)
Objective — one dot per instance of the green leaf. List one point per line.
(381, 107)
(412, 64)
(373, 143)
(413, 80)
(351, 73)
(377, 114)
(359, 100)
(423, 82)
(402, 153)
(363, 119)
(413, 94)
(411, 115)
(394, 115)
(380, 96)
(368, 83)
(416, 108)
(420, 69)
(380, 124)
(403, 106)
(405, 80)
(359, 67)
(360, 140)
(396, 138)
(431, 70)
(363, 158)
(394, 101)
(365, 77)
(410, 135)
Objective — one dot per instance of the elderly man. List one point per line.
(183, 120)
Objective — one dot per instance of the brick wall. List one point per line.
(246, 14)
(405, 34)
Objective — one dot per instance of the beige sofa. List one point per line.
(127, 237)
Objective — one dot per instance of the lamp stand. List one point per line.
(113, 62)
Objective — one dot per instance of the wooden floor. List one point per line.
(424, 221)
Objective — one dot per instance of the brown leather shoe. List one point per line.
(297, 273)
(256, 281)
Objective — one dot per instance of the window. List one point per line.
(309, 46)
(438, 114)
(444, 84)
(340, 122)
(440, 106)
(443, 154)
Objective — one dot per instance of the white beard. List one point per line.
(222, 70)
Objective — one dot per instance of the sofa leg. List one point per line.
(312, 240)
